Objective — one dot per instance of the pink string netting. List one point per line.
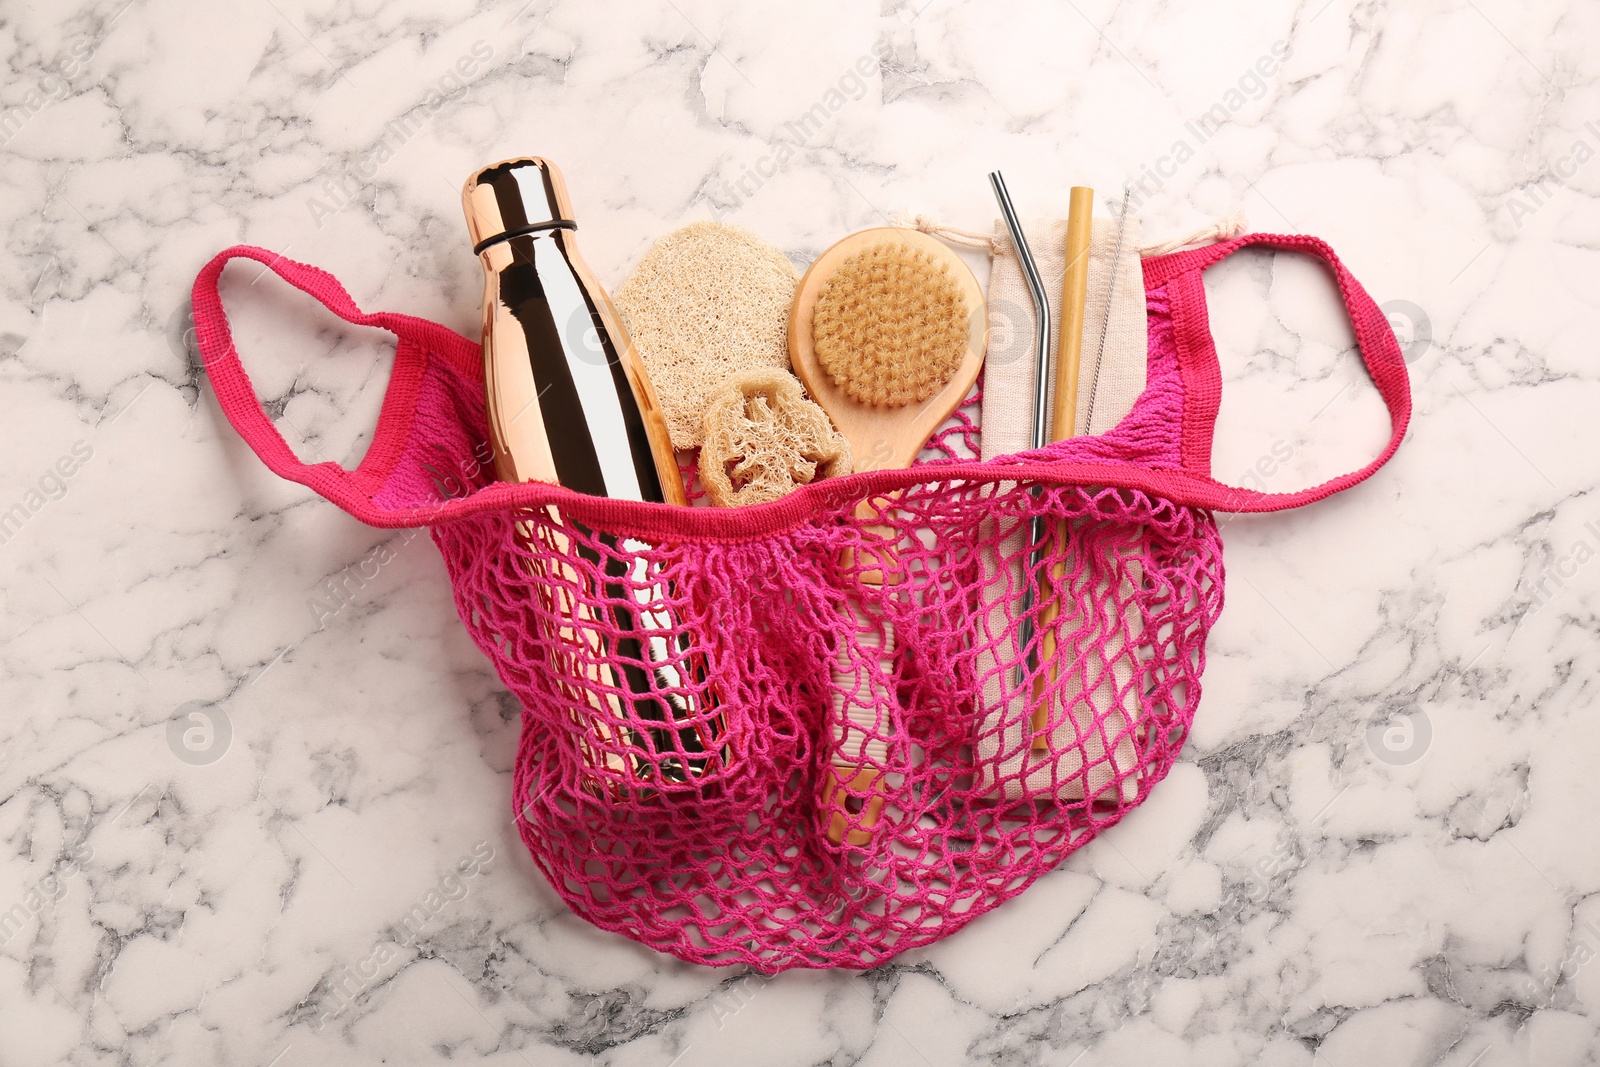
(732, 864)
(703, 833)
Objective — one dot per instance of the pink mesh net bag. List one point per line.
(692, 820)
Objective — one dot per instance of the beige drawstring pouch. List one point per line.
(1082, 760)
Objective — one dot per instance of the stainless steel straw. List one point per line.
(1041, 360)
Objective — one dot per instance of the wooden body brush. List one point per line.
(888, 334)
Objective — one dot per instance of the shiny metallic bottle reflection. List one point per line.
(569, 402)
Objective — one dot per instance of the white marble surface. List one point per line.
(1379, 847)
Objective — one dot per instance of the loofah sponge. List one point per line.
(890, 325)
(706, 302)
(763, 438)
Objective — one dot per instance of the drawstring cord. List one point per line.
(993, 243)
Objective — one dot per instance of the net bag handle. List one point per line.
(351, 490)
(1380, 352)
(418, 340)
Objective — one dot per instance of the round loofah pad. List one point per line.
(706, 302)
(890, 325)
(763, 438)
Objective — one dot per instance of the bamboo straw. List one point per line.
(1063, 424)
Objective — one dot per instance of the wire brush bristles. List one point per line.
(890, 325)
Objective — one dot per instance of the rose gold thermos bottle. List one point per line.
(569, 402)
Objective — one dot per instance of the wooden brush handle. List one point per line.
(880, 438)
(859, 689)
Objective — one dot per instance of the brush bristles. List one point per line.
(890, 325)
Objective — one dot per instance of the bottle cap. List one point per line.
(515, 197)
